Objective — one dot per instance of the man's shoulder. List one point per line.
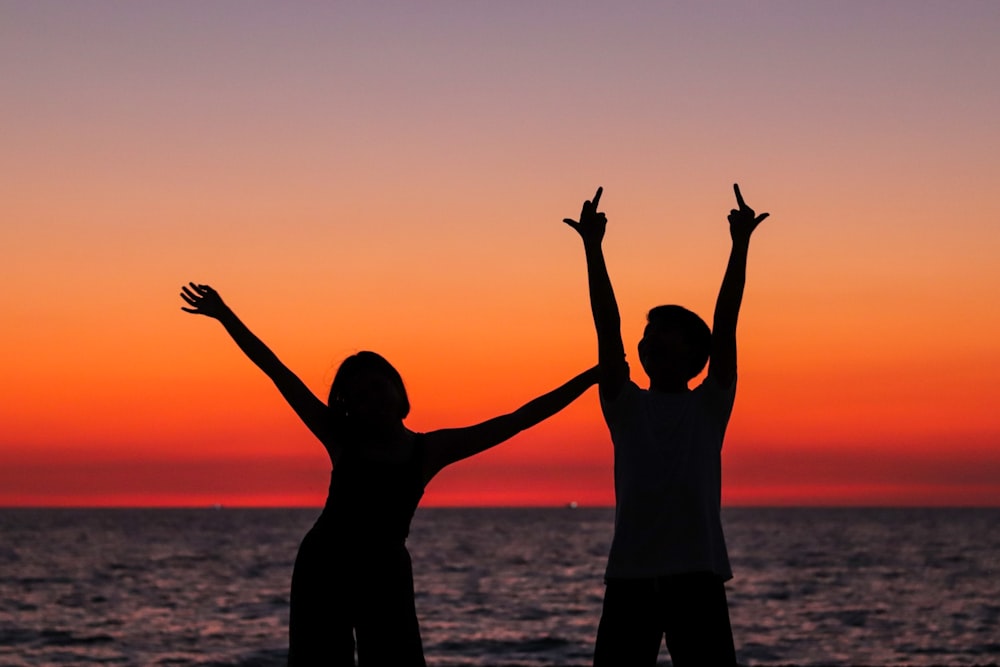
(710, 385)
(628, 390)
(716, 398)
(627, 395)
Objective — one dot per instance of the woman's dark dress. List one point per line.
(352, 578)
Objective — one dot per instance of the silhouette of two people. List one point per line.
(352, 584)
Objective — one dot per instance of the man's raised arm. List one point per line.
(610, 350)
(722, 362)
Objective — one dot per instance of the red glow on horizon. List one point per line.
(776, 496)
(752, 478)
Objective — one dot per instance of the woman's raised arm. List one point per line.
(203, 300)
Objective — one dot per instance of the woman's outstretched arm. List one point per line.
(454, 444)
(203, 300)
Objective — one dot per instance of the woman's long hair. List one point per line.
(363, 362)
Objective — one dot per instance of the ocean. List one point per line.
(495, 587)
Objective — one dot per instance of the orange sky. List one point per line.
(373, 177)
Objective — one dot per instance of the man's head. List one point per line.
(675, 345)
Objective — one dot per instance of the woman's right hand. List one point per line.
(203, 301)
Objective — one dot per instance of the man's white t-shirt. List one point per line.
(668, 480)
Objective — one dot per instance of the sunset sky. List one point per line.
(393, 175)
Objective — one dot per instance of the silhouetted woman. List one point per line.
(352, 579)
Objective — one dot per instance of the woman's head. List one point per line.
(368, 391)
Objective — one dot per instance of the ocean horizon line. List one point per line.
(566, 506)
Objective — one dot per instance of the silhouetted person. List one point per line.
(668, 563)
(352, 579)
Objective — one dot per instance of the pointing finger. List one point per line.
(597, 197)
(739, 197)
